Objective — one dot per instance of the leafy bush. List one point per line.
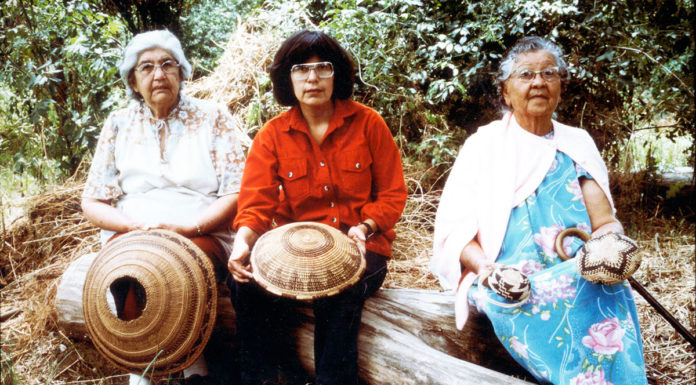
(60, 81)
(206, 27)
(631, 63)
(426, 66)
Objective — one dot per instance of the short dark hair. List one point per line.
(297, 49)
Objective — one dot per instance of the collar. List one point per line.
(342, 110)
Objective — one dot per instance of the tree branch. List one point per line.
(684, 86)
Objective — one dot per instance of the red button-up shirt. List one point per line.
(355, 173)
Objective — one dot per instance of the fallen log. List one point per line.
(407, 336)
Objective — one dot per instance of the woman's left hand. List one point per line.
(608, 228)
(357, 234)
(187, 231)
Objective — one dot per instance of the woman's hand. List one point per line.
(238, 264)
(473, 259)
(608, 228)
(359, 236)
(105, 216)
(186, 231)
(360, 232)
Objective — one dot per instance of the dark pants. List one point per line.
(266, 325)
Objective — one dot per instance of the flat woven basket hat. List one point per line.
(306, 260)
(180, 300)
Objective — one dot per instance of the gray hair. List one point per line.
(521, 47)
(146, 41)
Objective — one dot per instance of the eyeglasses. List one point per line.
(301, 71)
(548, 74)
(168, 67)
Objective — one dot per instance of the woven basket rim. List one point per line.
(324, 261)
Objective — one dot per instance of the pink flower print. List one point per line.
(574, 188)
(590, 378)
(519, 347)
(552, 291)
(530, 267)
(584, 227)
(546, 238)
(605, 337)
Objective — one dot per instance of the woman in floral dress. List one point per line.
(516, 184)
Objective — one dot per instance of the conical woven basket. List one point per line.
(181, 299)
(306, 260)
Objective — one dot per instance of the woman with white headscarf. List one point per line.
(166, 161)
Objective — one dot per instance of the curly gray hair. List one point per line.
(146, 41)
(521, 47)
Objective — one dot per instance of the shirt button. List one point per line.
(357, 165)
(290, 174)
(326, 188)
(333, 219)
(332, 204)
(322, 164)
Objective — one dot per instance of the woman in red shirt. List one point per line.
(328, 159)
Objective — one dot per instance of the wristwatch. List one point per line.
(369, 228)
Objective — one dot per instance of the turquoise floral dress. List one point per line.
(570, 331)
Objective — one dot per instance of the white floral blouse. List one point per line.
(201, 160)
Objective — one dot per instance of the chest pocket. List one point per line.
(293, 174)
(355, 170)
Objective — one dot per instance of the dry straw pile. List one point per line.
(37, 246)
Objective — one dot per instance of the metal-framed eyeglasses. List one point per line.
(323, 69)
(168, 66)
(550, 74)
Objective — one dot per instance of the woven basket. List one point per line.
(509, 283)
(608, 259)
(306, 260)
(181, 299)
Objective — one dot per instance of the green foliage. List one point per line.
(631, 62)
(654, 150)
(59, 81)
(9, 376)
(426, 66)
(146, 15)
(206, 27)
(386, 38)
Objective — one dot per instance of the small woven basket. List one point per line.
(180, 309)
(608, 259)
(509, 283)
(306, 260)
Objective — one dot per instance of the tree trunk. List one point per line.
(407, 336)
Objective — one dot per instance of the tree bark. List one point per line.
(407, 336)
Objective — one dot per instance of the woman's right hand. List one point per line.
(103, 215)
(238, 264)
(473, 259)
